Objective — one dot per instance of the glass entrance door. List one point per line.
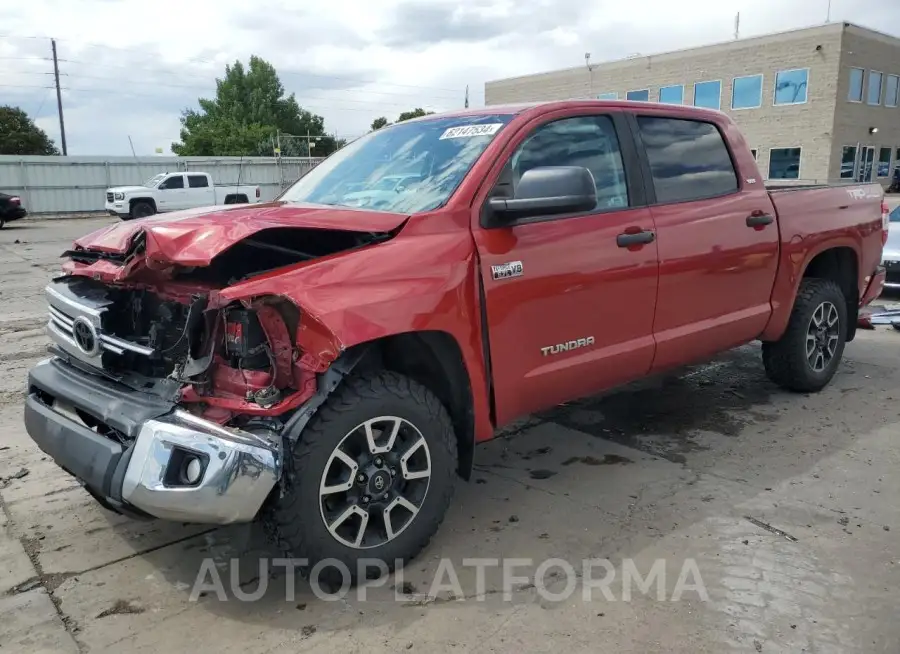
(866, 163)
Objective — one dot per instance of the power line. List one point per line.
(312, 103)
(300, 98)
(284, 73)
(37, 114)
(215, 63)
(25, 86)
(27, 59)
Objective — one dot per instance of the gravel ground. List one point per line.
(787, 506)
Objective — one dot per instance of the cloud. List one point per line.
(348, 60)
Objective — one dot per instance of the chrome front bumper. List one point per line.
(238, 468)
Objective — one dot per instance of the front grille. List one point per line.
(109, 197)
(76, 325)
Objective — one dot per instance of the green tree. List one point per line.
(250, 109)
(379, 122)
(418, 112)
(19, 134)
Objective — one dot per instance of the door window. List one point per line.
(688, 159)
(588, 141)
(198, 181)
(172, 183)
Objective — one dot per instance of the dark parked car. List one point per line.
(10, 208)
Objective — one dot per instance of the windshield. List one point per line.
(895, 215)
(153, 181)
(412, 167)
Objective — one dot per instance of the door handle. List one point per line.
(627, 240)
(759, 220)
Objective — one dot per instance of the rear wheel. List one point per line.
(371, 476)
(808, 354)
(142, 210)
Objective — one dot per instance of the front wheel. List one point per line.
(371, 476)
(807, 355)
(142, 210)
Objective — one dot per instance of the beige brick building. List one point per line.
(815, 104)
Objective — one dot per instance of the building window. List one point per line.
(848, 162)
(612, 95)
(891, 89)
(672, 94)
(897, 160)
(856, 85)
(784, 163)
(688, 159)
(708, 94)
(746, 92)
(873, 93)
(641, 95)
(791, 86)
(884, 162)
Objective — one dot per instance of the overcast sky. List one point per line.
(130, 66)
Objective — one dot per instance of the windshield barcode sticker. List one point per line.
(487, 129)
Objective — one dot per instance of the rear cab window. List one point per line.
(688, 159)
(198, 181)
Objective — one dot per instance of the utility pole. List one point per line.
(828, 15)
(737, 26)
(62, 122)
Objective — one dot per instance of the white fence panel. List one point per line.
(78, 184)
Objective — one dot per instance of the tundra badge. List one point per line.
(507, 270)
(559, 348)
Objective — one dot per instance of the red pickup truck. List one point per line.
(329, 360)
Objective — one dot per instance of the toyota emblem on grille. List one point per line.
(85, 336)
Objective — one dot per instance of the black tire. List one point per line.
(141, 210)
(295, 520)
(236, 199)
(786, 360)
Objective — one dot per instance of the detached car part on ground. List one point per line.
(10, 209)
(329, 368)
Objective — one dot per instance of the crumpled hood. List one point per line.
(194, 237)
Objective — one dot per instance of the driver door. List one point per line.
(569, 303)
(172, 195)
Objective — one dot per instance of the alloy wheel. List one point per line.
(822, 336)
(375, 482)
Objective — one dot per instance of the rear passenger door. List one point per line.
(199, 192)
(717, 241)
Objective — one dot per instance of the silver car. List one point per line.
(890, 257)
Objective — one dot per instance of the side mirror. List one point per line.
(547, 191)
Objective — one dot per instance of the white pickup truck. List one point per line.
(174, 192)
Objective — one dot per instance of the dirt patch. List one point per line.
(121, 607)
(662, 415)
(607, 460)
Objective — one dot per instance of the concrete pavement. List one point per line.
(786, 504)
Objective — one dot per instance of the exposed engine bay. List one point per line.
(228, 361)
